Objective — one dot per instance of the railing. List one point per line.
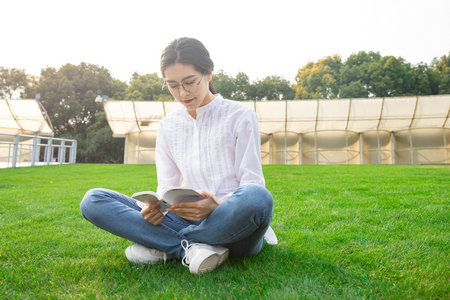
(31, 150)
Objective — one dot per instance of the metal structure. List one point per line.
(397, 130)
(31, 150)
(26, 136)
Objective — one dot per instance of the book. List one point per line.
(170, 197)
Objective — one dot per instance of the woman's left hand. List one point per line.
(197, 210)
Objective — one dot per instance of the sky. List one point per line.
(260, 38)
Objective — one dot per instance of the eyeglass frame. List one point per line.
(182, 85)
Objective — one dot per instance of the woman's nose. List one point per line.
(183, 92)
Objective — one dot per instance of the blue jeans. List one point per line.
(238, 223)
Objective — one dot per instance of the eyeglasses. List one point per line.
(189, 86)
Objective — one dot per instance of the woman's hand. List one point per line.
(152, 213)
(197, 210)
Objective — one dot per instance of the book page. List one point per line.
(146, 196)
(178, 195)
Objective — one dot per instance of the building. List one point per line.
(397, 130)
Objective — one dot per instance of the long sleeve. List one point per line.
(248, 150)
(167, 171)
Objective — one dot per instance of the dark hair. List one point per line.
(188, 51)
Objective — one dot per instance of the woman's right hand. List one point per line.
(152, 213)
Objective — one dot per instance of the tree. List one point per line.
(147, 87)
(354, 89)
(12, 82)
(97, 143)
(442, 67)
(224, 84)
(354, 76)
(242, 86)
(319, 80)
(118, 89)
(68, 95)
(273, 88)
(426, 80)
(368, 74)
(390, 76)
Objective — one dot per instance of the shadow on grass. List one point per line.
(277, 271)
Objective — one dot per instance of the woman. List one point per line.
(212, 145)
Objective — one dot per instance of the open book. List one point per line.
(170, 197)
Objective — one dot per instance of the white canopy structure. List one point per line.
(26, 136)
(24, 117)
(402, 130)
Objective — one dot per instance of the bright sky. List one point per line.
(259, 38)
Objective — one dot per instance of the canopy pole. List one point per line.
(14, 116)
(393, 147)
(414, 113)
(361, 149)
(15, 150)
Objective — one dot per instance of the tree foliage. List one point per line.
(240, 87)
(97, 143)
(146, 87)
(319, 80)
(442, 67)
(271, 88)
(12, 81)
(354, 76)
(68, 94)
(368, 74)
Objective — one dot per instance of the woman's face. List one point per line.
(188, 86)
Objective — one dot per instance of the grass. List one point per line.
(344, 232)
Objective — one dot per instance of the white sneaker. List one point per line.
(139, 254)
(203, 258)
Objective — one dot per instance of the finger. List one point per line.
(183, 207)
(148, 208)
(155, 205)
(204, 193)
(192, 205)
(147, 211)
(182, 210)
(150, 214)
(156, 220)
(192, 217)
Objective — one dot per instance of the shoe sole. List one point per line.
(208, 261)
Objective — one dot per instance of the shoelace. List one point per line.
(186, 246)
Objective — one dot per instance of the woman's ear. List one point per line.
(209, 76)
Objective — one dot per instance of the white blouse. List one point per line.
(218, 151)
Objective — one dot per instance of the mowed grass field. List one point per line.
(344, 231)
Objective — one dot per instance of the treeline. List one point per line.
(368, 74)
(68, 93)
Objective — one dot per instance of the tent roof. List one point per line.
(359, 115)
(25, 117)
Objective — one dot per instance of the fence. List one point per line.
(30, 150)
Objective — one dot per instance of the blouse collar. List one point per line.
(202, 109)
(210, 105)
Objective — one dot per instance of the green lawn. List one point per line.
(344, 232)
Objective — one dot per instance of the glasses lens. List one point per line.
(189, 86)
